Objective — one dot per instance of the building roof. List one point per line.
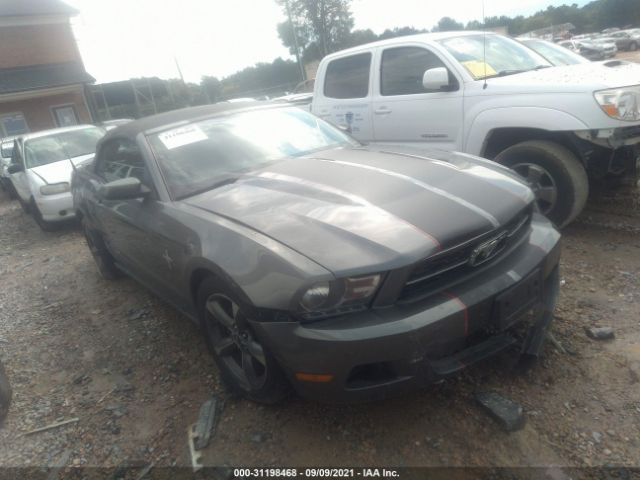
(35, 77)
(26, 8)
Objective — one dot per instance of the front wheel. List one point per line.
(246, 366)
(37, 216)
(554, 173)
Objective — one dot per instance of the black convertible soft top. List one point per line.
(132, 129)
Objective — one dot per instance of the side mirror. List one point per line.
(123, 189)
(435, 79)
(15, 168)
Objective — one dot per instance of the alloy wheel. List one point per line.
(234, 343)
(542, 184)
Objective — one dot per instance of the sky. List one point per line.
(121, 39)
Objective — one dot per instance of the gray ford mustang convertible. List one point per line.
(311, 261)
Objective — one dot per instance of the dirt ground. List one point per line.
(134, 373)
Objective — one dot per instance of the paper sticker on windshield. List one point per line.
(181, 136)
(479, 69)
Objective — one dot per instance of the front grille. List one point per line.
(440, 270)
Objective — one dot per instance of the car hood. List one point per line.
(351, 210)
(61, 171)
(584, 77)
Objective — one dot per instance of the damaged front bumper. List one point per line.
(386, 351)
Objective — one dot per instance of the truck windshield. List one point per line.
(61, 146)
(208, 153)
(485, 56)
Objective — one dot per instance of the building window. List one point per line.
(13, 124)
(65, 115)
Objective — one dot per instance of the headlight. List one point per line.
(620, 103)
(54, 188)
(340, 295)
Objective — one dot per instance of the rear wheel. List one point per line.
(554, 173)
(104, 260)
(633, 46)
(245, 364)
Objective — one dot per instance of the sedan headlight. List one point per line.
(54, 188)
(620, 103)
(340, 296)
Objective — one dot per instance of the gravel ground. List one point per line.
(134, 373)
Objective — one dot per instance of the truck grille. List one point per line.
(438, 271)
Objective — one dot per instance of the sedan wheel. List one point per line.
(37, 215)
(246, 366)
(234, 344)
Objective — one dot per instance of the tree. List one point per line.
(320, 26)
(212, 87)
(447, 24)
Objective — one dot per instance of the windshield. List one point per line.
(485, 56)
(554, 53)
(204, 154)
(61, 146)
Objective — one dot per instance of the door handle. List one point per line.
(382, 111)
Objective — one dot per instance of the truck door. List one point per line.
(343, 95)
(404, 112)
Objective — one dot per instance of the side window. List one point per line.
(121, 158)
(348, 77)
(402, 70)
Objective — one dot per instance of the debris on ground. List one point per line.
(53, 425)
(600, 333)
(509, 414)
(207, 422)
(196, 456)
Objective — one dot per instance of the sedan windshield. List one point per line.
(208, 153)
(61, 146)
(485, 56)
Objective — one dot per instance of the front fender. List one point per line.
(540, 118)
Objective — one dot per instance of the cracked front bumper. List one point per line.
(386, 351)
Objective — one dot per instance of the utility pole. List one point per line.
(295, 41)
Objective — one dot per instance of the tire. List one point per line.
(5, 394)
(37, 216)
(23, 204)
(549, 167)
(246, 366)
(633, 46)
(104, 260)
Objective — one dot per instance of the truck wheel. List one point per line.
(5, 393)
(246, 366)
(104, 260)
(555, 174)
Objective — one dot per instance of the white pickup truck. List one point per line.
(488, 95)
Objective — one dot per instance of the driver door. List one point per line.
(404, 112)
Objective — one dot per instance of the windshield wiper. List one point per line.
(225, 181)
(504, 73)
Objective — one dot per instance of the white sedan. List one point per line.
(41, 168)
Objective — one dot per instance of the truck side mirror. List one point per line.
(435, 79)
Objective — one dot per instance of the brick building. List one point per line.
(42, 77)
